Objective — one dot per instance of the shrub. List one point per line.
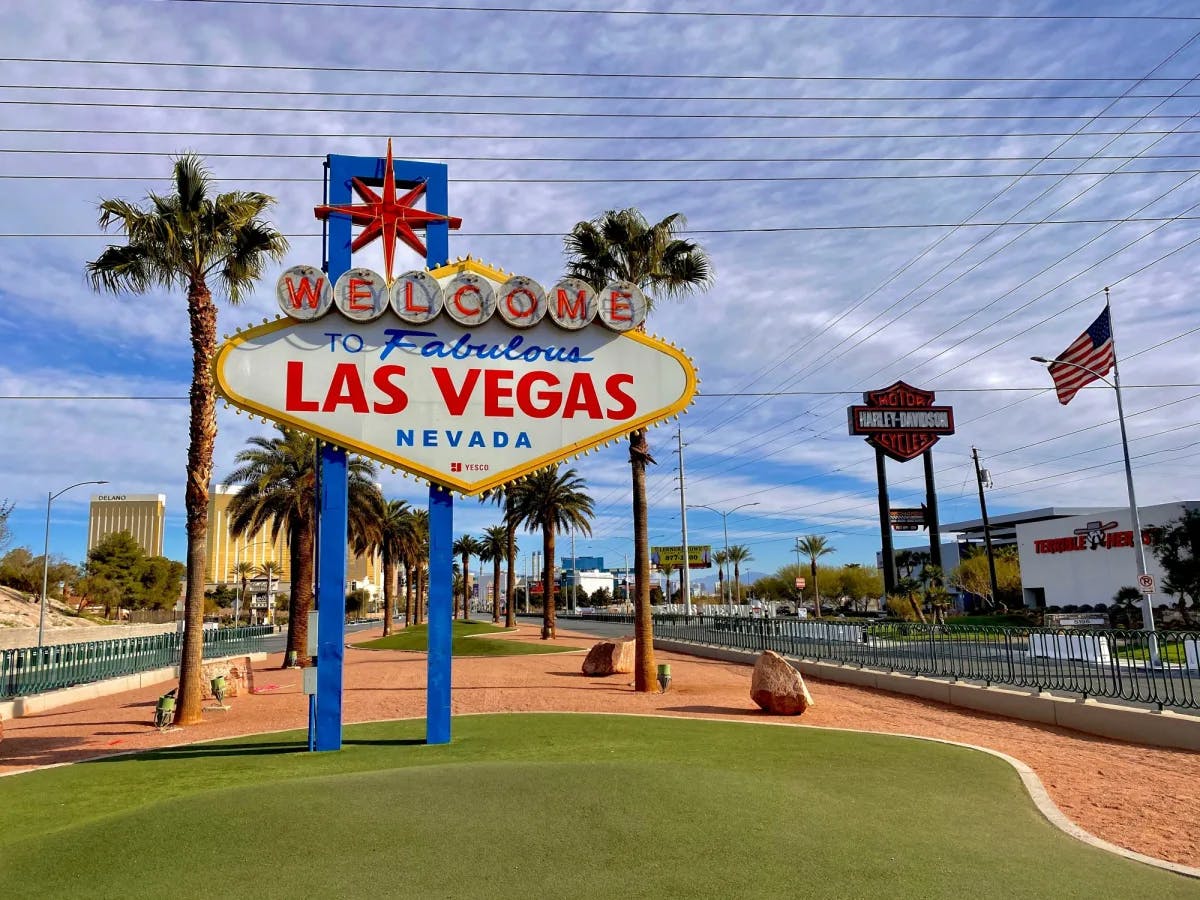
(1086, 607)
(900, 608)
(1071, 608)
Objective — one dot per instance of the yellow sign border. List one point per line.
(468, 489)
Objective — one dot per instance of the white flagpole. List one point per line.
(1139, 547)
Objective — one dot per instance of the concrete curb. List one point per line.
(1138, 726)
(20, 707)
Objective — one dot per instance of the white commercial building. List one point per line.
(1081, 556)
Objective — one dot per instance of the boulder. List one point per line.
(609, 658)
(777, 687)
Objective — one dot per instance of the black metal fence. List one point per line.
(1160, 669)
(34, 670)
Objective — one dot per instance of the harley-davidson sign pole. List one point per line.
(902, 422)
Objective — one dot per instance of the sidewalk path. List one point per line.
(1143, 798)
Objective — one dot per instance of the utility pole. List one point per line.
(987, 531)
(685, 583)
(800, 602)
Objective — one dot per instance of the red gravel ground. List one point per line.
(1144, 798)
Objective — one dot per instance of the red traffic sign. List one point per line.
(800, 582)
(1146, 583)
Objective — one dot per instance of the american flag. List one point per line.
(1093, 349)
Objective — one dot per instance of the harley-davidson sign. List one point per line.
(901, 420)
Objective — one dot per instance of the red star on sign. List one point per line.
(387, 216)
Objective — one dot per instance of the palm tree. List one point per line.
(503, 498)
(415, 553)
(720, 557)
(814, 547)
(242, 571)
(271, 571)
(278, 488)
(181, 241)
(466, 547)
(623, 245)
(494, 548)
(387, 533)
(738, 554)
(551, 499)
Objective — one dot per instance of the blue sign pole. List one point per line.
(333, 502)
(441, 615)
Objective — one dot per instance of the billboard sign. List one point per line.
(901, 420)
(907, 518)
(463, 375)
(699, 557)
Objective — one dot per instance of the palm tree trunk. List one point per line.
(643, 624)
(202, 316)
(496, 590)
(389, 597)
(302, 592)
(409, 577)
(737, 583)
(510, 604)
(816, 588)
(548, 609)
(420, 606)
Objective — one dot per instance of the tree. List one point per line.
(738, 554)
(158, 581)
(183, 240)
(466, 547)
(720, 557)
(861, 584)
(971, 575)
(1125, 602)
(814, 547)
(243, 571)
(909, 586)
(1177, 549)
(387, 533)
(277, 476)
(21, 570)
(6, 509)
(415, 544)
(494, 548)
(272, 573)
(116, 559)
(502, 498)
(623, 245)
(551, 500)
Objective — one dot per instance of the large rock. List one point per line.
(777, 687)
(609, 658)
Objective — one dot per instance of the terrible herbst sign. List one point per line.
(463, 375)
(901, 420)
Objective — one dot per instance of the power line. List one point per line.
(143, 132)
(673, 98)
(690, 160)
(733, 179)
(558, 114)
(782, 229)
(697, 76)
(706, 14)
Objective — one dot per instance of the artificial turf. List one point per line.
(551, 806)
(464, 641)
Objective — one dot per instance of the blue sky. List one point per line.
(787, 142)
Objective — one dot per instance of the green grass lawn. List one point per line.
(1169, 651)
(533, 806)
(464, 641)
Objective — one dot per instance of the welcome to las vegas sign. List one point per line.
(463, 375)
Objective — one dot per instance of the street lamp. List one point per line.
(50, 498)
(1140, 550)
(725, 527)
